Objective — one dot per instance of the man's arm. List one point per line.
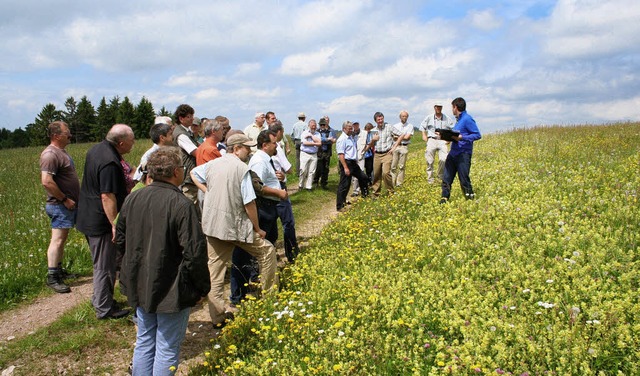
(52, 189)
(186, 144)
(110, 207)
(252, 213)
(343, 162)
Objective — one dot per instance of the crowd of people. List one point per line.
(205, 196)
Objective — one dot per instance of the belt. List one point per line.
(404, 144)
(309, 153)
(431, 137)
(382, 152)
(265, 202)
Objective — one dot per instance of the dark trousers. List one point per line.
(103, 253)
(298, 143)
(244, 268)
(345, 182)
(322, 169)
(285, 213)
(368, 168)
(459, 164)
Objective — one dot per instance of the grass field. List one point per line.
(538, 276)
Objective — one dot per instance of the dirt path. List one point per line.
(43, 311)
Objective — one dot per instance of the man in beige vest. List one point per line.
(230, 218)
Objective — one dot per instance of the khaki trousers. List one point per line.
(220, 252)
(397, 164)
(382, 170)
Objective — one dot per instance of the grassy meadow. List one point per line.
(26, 227)
(538, 276)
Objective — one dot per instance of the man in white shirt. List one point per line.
(253, 130)
(161, 135)
(298, 127)
(434, 144)
(402, 132)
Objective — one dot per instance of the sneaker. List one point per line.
(57, 284)
(443, 201)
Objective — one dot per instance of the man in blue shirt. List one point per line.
(347, 150)
(459, 158)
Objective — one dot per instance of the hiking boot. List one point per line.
(64, 274)
(57, 284)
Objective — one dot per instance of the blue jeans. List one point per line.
(457, 164)
(61, 217)
(158, 342)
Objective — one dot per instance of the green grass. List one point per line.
(26, 227)
(538, 275)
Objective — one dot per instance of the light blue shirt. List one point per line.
(261, 165)
(248, 194)
(347, 145)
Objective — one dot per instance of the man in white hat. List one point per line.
(296, 135)
(434, 144)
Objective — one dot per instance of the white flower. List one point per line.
(546, 305)
(340, 333)
(525, 291)
(216, 346)
(549, 280)
(320, 331)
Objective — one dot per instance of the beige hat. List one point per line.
(438, 104)
(301, 115)
(240, 139)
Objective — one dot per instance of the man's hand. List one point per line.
(280, 175)
(261, 233)
(347, 172)
(69, 204)
(283, 194)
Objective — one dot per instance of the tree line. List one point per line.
(86, 123)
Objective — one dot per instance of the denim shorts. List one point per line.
(61, 217)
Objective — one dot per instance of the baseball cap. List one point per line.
(240, 139)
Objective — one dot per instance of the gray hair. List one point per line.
(163, 162)
(210, 126)
(119, 133)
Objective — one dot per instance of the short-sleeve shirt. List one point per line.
(58, 163)
(308, 136)
(260, 163)
(400, 129)
(347, 145)
(386, 138)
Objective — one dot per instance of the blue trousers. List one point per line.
(158, 342)
(244, 267)
(461, 165)
(285, 213)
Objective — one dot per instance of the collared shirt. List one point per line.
(347, 145)
(184, 142)
(298, 127)
(308, 136)
(281, 162)
(469, 132)
(252, 131)
(400, 129)
(143, 162)
(386, 138)
(248, 194)
(430, 123)
(207, 151)
(260, 163)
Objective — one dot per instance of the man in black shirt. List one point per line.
(102, 194)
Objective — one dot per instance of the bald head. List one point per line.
(121, 137)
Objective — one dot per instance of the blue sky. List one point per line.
(517, 63)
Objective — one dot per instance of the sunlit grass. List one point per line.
(539, 275)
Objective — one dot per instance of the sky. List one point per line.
(516, 63)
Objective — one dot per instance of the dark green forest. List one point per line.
(86, 122)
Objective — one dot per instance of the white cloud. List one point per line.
(485, 20)
(305, 64)
(193, 79)
(579, 29)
